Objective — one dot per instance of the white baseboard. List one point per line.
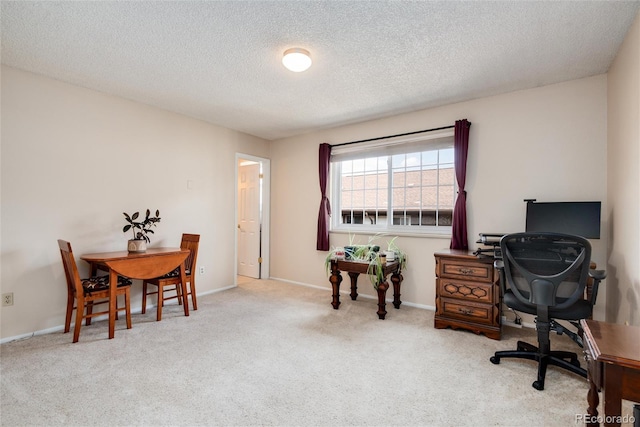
(136, 310)
(32, 334)
(345, 291)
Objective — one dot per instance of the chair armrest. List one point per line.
(597, 276)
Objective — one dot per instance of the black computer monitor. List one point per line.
(577, 218)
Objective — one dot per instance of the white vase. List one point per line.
(391, 256)
(137, 246)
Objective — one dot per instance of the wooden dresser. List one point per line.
(467, 293)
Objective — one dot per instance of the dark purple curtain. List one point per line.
(322, 243)
(460, 147)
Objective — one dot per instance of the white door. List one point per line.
(249, 220)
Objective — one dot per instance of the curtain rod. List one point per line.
(393, 136)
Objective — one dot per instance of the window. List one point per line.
(394, 185)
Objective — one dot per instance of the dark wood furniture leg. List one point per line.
(612, 394)
(335, 280)
(183, 278)
(593, 399)
(113, 284)
(354, 284)
(396, 279)
(93, 271)
(382, 296)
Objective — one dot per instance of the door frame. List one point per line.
(265, 218)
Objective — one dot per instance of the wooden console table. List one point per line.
(612, 353)
(354, 269)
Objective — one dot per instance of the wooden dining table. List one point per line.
(155, 262)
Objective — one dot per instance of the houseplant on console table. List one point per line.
(369, 254)
(140, 230)
(357, 259)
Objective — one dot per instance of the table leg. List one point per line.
(113, 285)
(183, 279)
(396, 279)
(382, 295)
(354, 284)
(93, 270)
(335, 280)
(612, 394)
(593, 400)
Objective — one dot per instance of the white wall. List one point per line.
(74, 159)
(547, 143)
(68, 152)
(623, 280)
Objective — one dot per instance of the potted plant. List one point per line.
(377, 263)
(370, 254)
(351, 252)
(393, 252)
(140, 230)
(350, 248)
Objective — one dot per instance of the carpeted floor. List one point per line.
(273, 353)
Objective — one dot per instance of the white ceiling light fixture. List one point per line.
(296, 59)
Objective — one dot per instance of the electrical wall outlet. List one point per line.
(201, 270)
(7, 299)
(512, 323)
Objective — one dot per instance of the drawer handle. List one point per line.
(466, 311)
(466, 271)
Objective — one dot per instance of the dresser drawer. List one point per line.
(469, 291)
(466, 270)
(472, 312)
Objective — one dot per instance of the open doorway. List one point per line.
(252, 216)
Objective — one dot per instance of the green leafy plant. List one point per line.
(375, 271)
(141, 229)
(399, 254)
(367, 253)
(334, 253)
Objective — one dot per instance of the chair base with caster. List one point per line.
(562, 359)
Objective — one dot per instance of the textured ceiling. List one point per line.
(219, 61)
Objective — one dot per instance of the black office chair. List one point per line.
(546, 274)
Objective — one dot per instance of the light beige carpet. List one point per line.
(272, 353)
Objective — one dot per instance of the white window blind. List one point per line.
(391, 146)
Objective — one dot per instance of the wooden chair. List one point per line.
(191, 242)
(86, 293)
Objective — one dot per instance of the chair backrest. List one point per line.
(191, 242)
(546, 269)
(74, 285)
